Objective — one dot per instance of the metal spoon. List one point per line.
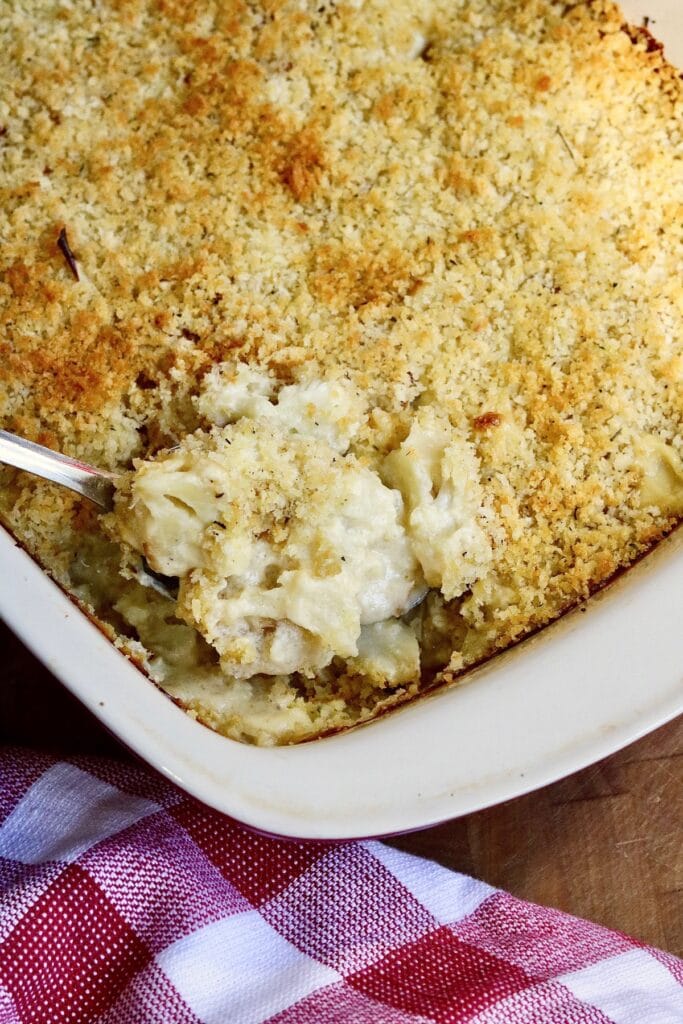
(97, 485)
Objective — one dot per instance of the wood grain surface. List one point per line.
(605, 843)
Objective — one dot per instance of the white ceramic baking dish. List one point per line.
(576, 692)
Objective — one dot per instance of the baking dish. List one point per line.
(590, 683)
(574, 693)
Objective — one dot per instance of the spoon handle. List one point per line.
(94, 484)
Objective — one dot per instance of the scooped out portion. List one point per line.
(290, 552)
(284, 549)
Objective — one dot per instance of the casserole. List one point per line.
(574, 667)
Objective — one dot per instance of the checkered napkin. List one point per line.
(125, 901)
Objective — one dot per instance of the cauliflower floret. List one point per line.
(232, 390)
(439, 480)
(662, 480)
(331, 410)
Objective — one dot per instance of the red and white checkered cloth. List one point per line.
(126, 902)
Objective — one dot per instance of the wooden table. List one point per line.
(604, 843)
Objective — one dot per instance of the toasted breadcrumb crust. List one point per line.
(471, 204)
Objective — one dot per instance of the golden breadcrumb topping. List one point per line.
(469, 212)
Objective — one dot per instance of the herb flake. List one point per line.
(63, 243)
